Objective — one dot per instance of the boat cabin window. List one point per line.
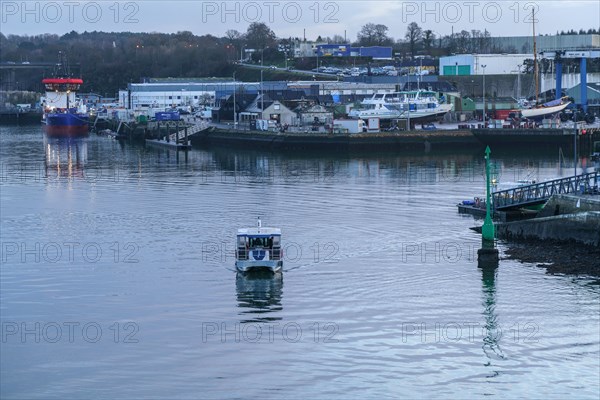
(266, 242)
(241, 241)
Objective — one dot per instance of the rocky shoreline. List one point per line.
(557, 257)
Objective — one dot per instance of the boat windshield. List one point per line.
(266, 242)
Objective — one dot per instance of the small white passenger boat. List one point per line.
(258, 248)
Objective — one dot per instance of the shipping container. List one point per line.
(167, 116)
(377, 52)
(505, 114)
(349, 125)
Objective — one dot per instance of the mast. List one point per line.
(535, 64)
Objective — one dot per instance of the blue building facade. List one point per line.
(345, 50)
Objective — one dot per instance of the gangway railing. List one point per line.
(180, 136)
(540, 192)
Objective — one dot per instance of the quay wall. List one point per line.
(571, 223)
(408, 140)
(561, 204)
(582, 228)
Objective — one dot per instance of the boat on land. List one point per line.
(259, 248)
(64, 116)
(381, 105)
(416, 105)
(546, 110)
(538, 112)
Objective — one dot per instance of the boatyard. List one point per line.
(300, 200)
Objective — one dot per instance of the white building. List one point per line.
(306, 49)
(169, 95)
(471, 64)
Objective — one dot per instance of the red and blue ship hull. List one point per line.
(66, 125)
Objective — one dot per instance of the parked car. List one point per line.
(429, 127)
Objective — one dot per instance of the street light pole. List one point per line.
(262, 94)
(519, 81)
(575, 158)
(408, 102)
(234, 115)
(483, 67)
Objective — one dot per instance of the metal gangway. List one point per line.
(540, 192)
(179, 137)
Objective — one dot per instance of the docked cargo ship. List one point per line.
(64, 116)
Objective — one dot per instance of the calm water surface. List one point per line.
(118, 280)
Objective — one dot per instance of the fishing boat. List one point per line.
(64, 116)
(258, 248)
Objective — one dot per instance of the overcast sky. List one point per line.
(290, 18)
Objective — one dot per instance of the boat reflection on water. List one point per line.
(259, 295)
(65, 158)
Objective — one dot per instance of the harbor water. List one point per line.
(118, 281)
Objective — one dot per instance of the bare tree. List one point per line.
(366, 35)
(428, 38)
(463, 39)
(373, 35)
(338, 39)
(413, 36)
(260, 36)
(233, 35)
(381, 37)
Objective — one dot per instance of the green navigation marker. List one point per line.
(487, 230)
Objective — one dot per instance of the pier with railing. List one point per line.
(540, 192)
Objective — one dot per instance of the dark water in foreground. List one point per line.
(117, 279)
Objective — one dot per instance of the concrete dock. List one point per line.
(417, 140)
(574, 218)
(171, 144)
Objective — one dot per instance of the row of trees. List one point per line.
(418, 40)
(108, 61)
(425, 41)
(591, 31)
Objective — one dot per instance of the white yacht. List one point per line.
(416, 105)
(546, 110)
